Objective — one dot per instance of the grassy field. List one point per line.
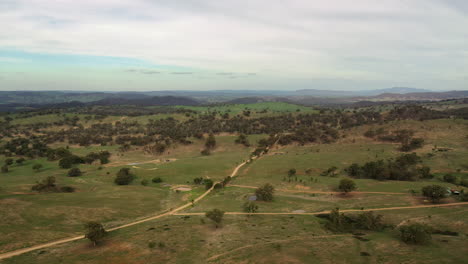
(28, 218)
(264, 239)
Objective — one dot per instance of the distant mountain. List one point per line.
(424, 96)
(149, 101)
(395, 90)
(338, 93)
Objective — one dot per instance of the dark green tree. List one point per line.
(265, 192)
(95, 232)
(74, 172)
(216, 216)
(434, 192)
(124, 177)
(415, 233)
(347, 185)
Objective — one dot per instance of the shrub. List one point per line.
(67, 189)
(208, 183)
(157, 180)
(144, 182)
(124, 177)
(347, 185)
(450, 178)
(434, 192)
(216, 216)
(20, 161)
(4, 168)
(9, 161)
(265, 192)
(74, 172)
(205, 152)
(37, 167)
(95, 232)
(415, 233)
(464, 182)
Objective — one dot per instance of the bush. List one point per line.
(157, 180)
(46, 185)
(265, 193)
(415, 233)
(124, 177)
(434, 192)
(144, 182)
(205, 152)
(67, 189)
(215, 215)
(37, 167)
(208, 183)
(9, 161)
(347, 185)
(4, 168)
(450, 178)
(74, 172)
(20, 161)
(464, 182)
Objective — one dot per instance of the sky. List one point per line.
(148, 45)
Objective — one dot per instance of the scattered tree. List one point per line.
(347, 185)
(95, 232)
(216, 216)
(434, 192)
(37, 167)
(124, 177)
(450, 178)
(250, 207)
(265, 193)
(415, 233)
(291, 172)
(74, 172)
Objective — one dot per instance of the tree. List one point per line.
(415, 233)
(95, 232)
(74, 172)
(450, 178)
(434, 192)
(9, 161)
(250, 207)
(157, 180)
(291, 172)
(347, 185)
(37, 167)
(265, 192)
(68, 161)
(216, 216)
(210, 141)
(124, 177)
(208, 183)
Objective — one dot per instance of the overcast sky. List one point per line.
(239, 44)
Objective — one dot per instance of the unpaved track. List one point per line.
(65, 240)
(319, 192)
(271, 242)
(342, 211)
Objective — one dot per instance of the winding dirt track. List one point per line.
(65, 240)
(319, 192)
(341, 211)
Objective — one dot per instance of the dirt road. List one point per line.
(341, 211)
(65, 240)
(317, 192)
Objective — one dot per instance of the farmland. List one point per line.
(303, 152)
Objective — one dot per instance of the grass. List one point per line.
(27, 218)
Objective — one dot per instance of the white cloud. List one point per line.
(405, 41)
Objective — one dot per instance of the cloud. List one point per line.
(384, 42)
